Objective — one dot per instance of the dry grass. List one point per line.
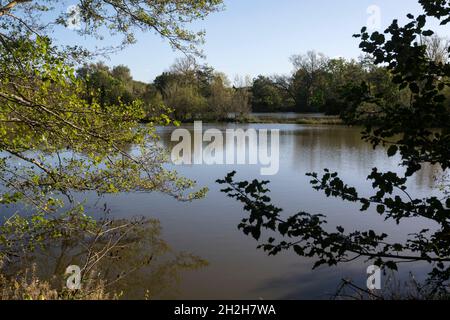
(27, 286)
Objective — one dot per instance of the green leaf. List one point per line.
(380, 208)
(299, 250)
(392, 151)
(428, 33)
(414, 87)
(391, 265)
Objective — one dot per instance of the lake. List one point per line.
(237, 270)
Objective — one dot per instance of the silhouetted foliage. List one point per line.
(406, 130)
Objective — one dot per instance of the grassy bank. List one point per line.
(326, 120)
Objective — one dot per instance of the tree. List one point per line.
(265, 95)
(340, 77)
(122, 73)
(219, 101)
(197, 91)
(204, 77)
(436, 48)
(287, 89)
(99, 80)
(115, 86)
(185, 101)
(405, 130)
(308, 79)
(68, 138)
(167, 18)
(241, 97)
(163, 81)
(185, 67)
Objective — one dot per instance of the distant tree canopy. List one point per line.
(319, 84)
(267, 97)
(198, 92)
(113, 86)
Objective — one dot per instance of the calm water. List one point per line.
(237, 270)
(208, 227)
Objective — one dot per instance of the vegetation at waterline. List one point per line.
(406, 131)
(299, 119)
(58, 138)
(193, 92)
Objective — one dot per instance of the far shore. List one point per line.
(307, 119)
(301, 119)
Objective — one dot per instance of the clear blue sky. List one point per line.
(252, 37)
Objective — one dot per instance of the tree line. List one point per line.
(190, 91)
(317, 83)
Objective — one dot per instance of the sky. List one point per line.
(252, 37)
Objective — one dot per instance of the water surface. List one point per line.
(236, 270)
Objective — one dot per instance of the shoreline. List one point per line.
(325, 120)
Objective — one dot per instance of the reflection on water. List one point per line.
(236, 269)
(313, 148)
(124, 259)
(208, 227)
